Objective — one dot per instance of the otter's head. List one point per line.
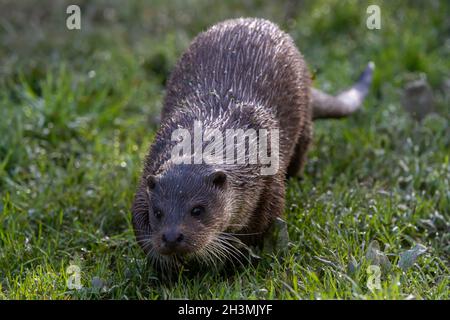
(179, 214)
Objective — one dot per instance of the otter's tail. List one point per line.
(345, 103)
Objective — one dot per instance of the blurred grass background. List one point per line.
(78, 110)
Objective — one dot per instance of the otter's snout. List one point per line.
(172, 241)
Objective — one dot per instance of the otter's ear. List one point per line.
(151, 181)
(218, 178)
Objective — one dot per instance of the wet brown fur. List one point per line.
(242, 73)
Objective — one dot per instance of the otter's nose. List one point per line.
(172, 238)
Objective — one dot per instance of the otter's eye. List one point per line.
(197, 211)
(158, 213)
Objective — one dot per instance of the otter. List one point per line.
(239, 74)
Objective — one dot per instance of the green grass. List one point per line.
(78, 112)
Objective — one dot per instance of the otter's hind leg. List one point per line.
(298, 159)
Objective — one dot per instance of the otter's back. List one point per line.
(244, 60)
